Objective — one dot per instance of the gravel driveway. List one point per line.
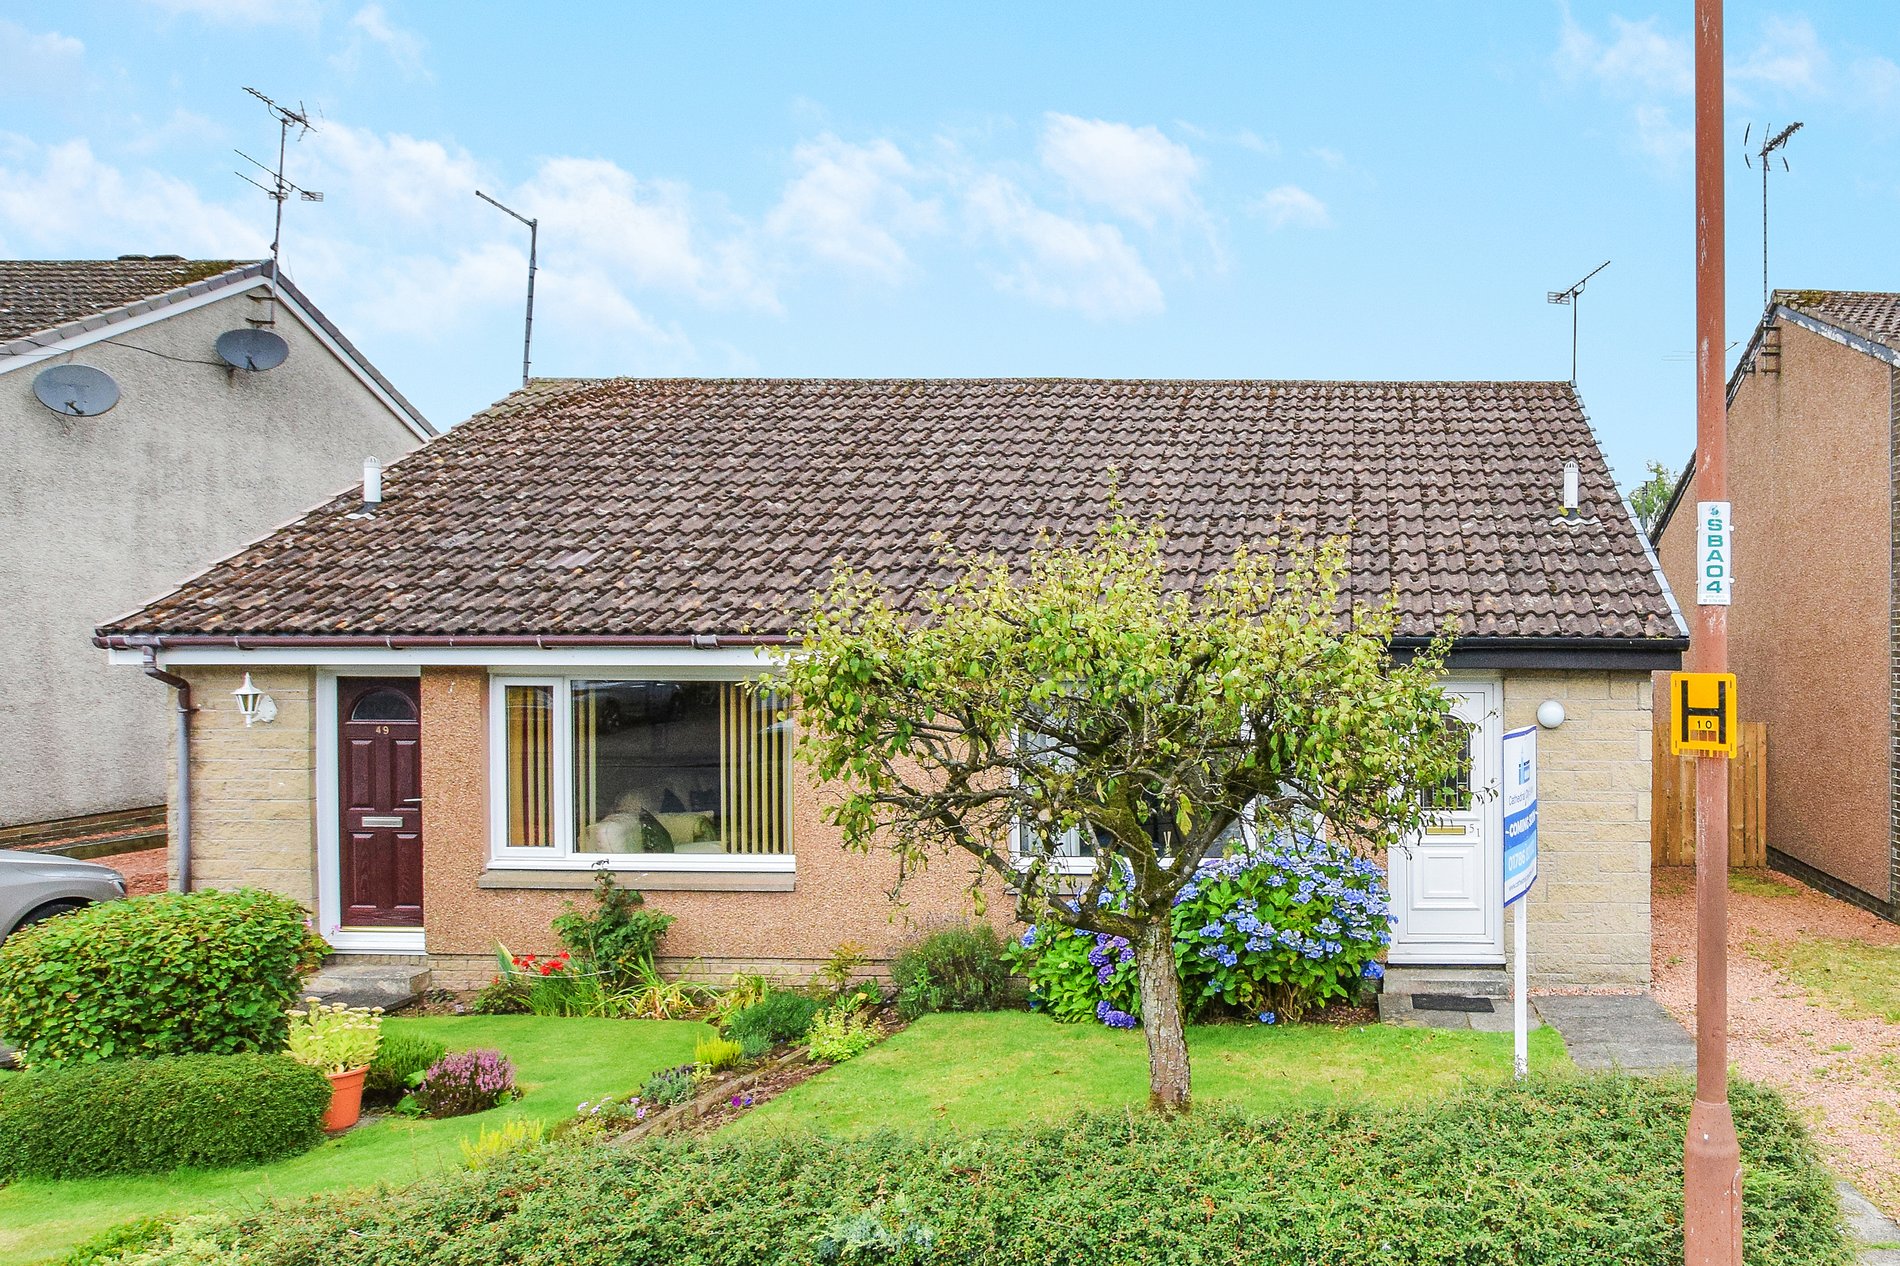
(1843, 1073)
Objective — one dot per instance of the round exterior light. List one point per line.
(1550, 714)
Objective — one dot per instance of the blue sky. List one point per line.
(1284, 190)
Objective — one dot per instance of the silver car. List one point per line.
(36, 886)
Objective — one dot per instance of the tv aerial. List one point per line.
(1569, 298)
(1766, 154)
(280, 187)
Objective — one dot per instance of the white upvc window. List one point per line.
(647, 773)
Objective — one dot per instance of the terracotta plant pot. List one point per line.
(346, 1099)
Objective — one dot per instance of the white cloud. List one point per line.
(62, 198)
(1789, 58)
(1662, 135)
(1060, 262)
(384, 173)
(1638, 59)
(370, 26)
(1331, 158)
(645, 232)
(1290, 206)
(852, 205)
(37, 63)
(1136, 172)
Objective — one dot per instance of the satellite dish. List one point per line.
(78, 391)
(252, 349)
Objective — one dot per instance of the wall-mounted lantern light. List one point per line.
(254, 704)
(1550, 714)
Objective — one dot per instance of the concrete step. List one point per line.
(385, 985)
(1469, 982)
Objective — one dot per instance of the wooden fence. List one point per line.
(1672, 794)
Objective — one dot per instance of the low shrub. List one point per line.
(494, 1143)
(335, 1037)
(780, 1016)
(402, 1057)
(504, 995)
(840, 970)
(838, 1034)
(618, 937)
(1550, 1173)
(136, 1116)
(955, 968)
(115, 1242)
(465, 1082)
(718, 1053)
(1271, 932)
(669, 1086)
(170, 974)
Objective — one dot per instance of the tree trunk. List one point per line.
(1161, 1017)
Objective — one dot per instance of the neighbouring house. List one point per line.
(524, 661)
(138, 455)
(1813, 424)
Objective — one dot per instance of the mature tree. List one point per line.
(1081, 697)
(1648, 498)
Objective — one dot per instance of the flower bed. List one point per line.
(1271, 933)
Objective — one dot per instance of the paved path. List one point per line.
(1627, 1031)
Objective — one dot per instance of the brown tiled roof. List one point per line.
(1872, 314)
(43, 294)
(671, 506)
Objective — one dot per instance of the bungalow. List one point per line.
(519, 659)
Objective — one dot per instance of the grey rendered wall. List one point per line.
(100, 515)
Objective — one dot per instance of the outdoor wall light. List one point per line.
(1550, 714)
(254, 704)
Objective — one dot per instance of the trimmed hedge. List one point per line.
(1583, 1172)
(173, 974)
(138, 1116)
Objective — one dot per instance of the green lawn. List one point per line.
(558, 1064)
(976, 1071)
(1853, 977)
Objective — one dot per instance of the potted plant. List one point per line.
(341, 1041)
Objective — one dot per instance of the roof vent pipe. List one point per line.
(372, 481)
(1570, 488)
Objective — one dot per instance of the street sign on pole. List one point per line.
(1520, 872)
(1702, 714)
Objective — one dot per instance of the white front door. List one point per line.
(1448, 887)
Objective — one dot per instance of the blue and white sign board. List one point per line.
(1520, 872)
(1520, 812)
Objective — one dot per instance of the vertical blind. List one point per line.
(530, 766)
(754, 790)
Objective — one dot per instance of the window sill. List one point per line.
(580, 879)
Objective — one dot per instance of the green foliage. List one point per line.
(171, 974)
(780, 1016)
(504, 995)
(838, 1034)
(135, 1116)
(334, 1037)
(618, 937)
(115, 1242)
(1552, 1173)
(1087, 697)
(1648, 498)
(495, 1142)
(402, 1057)
(668, 1087)
(1271, 931)
(718, 1053)
(744, 989)
(954, 968)
(840, 970)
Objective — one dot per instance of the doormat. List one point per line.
(1450, 1002)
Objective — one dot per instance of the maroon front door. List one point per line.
(380, 780)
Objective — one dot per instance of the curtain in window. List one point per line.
(530, 718)
(754, 790)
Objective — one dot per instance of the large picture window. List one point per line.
(678, 774)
